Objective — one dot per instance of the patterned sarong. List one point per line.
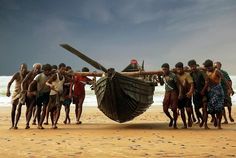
(216, 99)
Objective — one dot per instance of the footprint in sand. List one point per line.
(231, 155)
(139, 138)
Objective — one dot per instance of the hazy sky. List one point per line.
(115, 31)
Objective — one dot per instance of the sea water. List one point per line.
(90, 99)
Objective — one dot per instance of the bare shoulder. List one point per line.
(16, 75)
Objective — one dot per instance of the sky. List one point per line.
(115, 31)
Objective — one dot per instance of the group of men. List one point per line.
(44, 90)
(210, 89)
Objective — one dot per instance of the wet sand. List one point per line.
(146, 136)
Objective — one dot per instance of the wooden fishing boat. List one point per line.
(119, 96)
(122, 98)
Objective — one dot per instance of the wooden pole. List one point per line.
(134, 74)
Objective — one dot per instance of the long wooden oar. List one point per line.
(133, 74)
(84, 57)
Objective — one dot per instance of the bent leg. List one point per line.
(18, 115)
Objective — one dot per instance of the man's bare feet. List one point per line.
(175, 127)
(78, 122)
(206, 127)
(171, 123)
(54, 127)
(40, 127)
(225, 122)
(201, 124)
(34, 123)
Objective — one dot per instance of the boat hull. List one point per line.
(122, 98)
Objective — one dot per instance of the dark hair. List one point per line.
(54, 67)
(219, 63)
(62, 65)
(85, 69)
(192, 62)
(68, 67)
(208, 63)
(165, 65)
(47, 67)
(179, 65)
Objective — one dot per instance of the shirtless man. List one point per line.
(172, 91)
(227, 99)
(66, 94)
(31, 93)
(215, 92)
(18, 78)
(184, 101)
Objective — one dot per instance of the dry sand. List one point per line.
(146, 136)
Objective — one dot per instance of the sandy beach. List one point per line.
(146, 136)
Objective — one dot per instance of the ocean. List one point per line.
(90, 99)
